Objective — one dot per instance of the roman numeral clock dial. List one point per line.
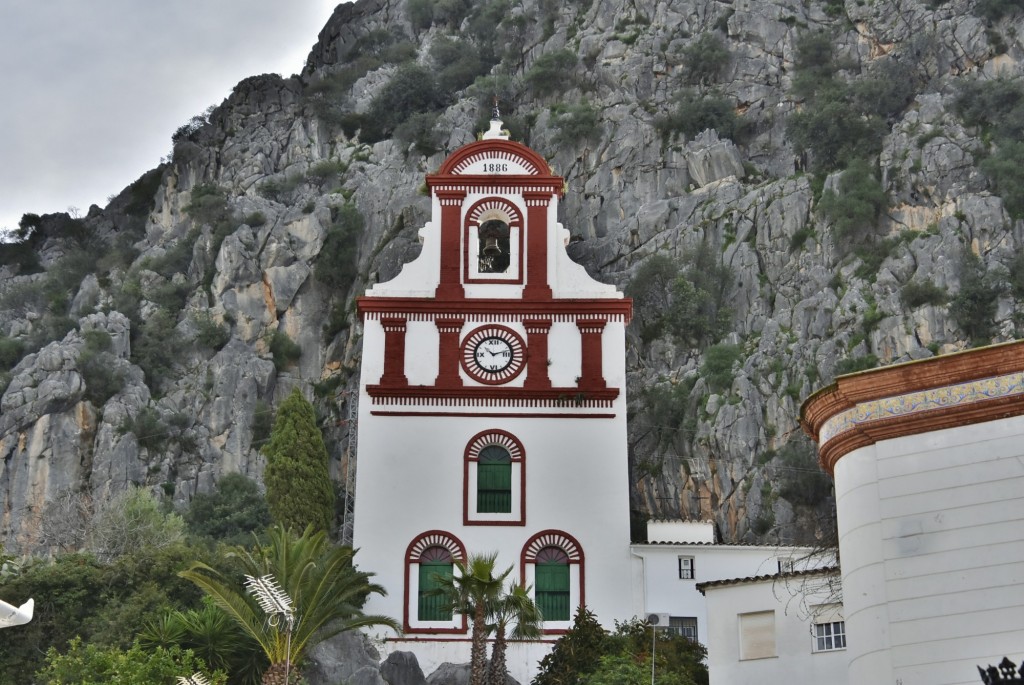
(493, 355)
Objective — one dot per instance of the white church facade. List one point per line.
(492, 411)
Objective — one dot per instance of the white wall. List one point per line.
(662, 591)
(795, 663)
(931, 534)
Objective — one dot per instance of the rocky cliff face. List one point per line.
(148, 342)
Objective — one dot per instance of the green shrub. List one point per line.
(97, 365)
(255, 219)
(456, 64)
(920, 293)
(552, 72)
(576, 123)
(420, 130)
(803, 482)
(694, 112)
(974, 306)
(705, 59)
(284, 351)
(148, 428)
(855, 210)
(87, 664)
(11, 352)
(210, 333)
(326, 170)
(411, 90)
(262, 423)
(1005, 169)
(686, 300)
(854, 364)
(231, 514)
(1015, 271)
(668, 409)
(155, 344)
(717, 365)
(337, 264)
(994, 10)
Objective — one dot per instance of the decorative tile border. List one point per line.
(960, 394)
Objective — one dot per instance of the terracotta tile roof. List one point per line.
(824, 570)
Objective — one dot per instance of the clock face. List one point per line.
(493, 355)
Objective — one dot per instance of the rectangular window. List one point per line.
(553, 591)
(757, 635)
(829, 636)
(433, 607)
(494, 488)
(684, 625)
(686, 568)
(785, 564)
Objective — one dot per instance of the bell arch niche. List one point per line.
(493, 242)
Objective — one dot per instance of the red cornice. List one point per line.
(569, 396)
(900, 379)
(581, 308)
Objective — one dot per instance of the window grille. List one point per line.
(829, 636)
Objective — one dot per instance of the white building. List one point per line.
(928, 462)
(779, 628)
(679, 556)
(492, 410)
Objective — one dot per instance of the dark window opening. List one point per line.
(494, 255)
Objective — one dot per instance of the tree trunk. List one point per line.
(274, 675)
(496, 668)
(478, 653)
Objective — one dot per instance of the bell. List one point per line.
(491, 247)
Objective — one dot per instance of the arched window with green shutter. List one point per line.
(435, 563)
(551, 583)
(494, 481)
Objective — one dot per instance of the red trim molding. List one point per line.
(472, 454)
(431, 538)
(949, 391)
(496, 309)
(493, 396)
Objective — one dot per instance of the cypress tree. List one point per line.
(299, 490)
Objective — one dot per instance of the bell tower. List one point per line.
(492, 414)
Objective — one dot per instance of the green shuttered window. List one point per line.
(552, 584)
(494, 481)
(435, 562)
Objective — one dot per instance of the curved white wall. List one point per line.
(931, 537)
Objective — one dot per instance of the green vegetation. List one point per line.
(106, 604)
(857, 206)
(232, 513)
(321, 580)
(686, 300)
(717, 366)
(705, 59)
(575, 123)
(667, 408)
(552, 72)
(283, 350)
(587, 653)
(337, 264)
(299, 490)
(98, 368)
(840, 121)
(974, 306)
(920, 293)
(854, 364)
(209, 333)
(90, 664)
(148, 427)
(994, 10)
(693, 112)
(803, 482)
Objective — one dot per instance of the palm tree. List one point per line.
(473, 591)
(517, 609)
(326, 590)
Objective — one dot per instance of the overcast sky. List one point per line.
(91, 91)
